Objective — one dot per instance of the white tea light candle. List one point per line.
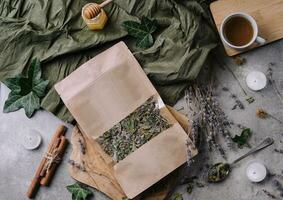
(256, 172)
(31, 140)
(256, 80)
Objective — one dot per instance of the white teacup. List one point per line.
(255, 38)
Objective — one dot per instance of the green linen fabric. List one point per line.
(54, 31)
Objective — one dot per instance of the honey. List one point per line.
(97, 22)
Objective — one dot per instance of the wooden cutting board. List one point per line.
(99, 172)
(267, 13)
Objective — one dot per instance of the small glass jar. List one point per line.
(96, 23)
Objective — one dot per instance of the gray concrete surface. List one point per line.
(237, 186)
(17, 165)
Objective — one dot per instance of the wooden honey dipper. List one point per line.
(93, 10)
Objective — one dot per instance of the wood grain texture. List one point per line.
(100, 172)
(99, 166)
(267, 13)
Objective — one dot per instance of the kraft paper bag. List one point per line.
(107, 89)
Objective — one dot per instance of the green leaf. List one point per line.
(145, 42)
(243, 138)
(13, 84)
(30, 103)
(34, 71)
(78, 192)
(26, 91)
(141, 31)
(39, 88)
(149, 26)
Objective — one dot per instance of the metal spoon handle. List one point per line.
(265, 143)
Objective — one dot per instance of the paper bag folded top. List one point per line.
(107, 89)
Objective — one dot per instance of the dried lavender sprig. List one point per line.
(233, 74)
(279, 151)
(272, 196)
(238, 102)
(269, 75)
(278, 186)
(82, 146)
(195, 129)
(212, 118)
(77, 165)
(190, 159)
(216, 116)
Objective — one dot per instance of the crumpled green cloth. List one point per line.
(54, 31)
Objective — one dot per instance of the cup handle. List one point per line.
(260, 40)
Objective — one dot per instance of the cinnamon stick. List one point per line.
(55, 146)
(49, 175)
(35, 183)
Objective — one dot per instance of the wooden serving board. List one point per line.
(267, 13)
(99, 167)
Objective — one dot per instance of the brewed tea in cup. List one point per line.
(240, 31)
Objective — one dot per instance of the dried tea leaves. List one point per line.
(133, 131)
(218, 172)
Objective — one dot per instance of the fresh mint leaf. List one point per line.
(26, 91)
(242, 140)
(141, 31)
(78, 192)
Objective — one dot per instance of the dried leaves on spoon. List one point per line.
(26, 91)
(135, 130)
(242, 139)
(79, 192)
(218, 172)
(141, 31)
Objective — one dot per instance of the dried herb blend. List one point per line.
(218, 172)
(133, 131)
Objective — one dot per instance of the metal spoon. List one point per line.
(219, 171)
